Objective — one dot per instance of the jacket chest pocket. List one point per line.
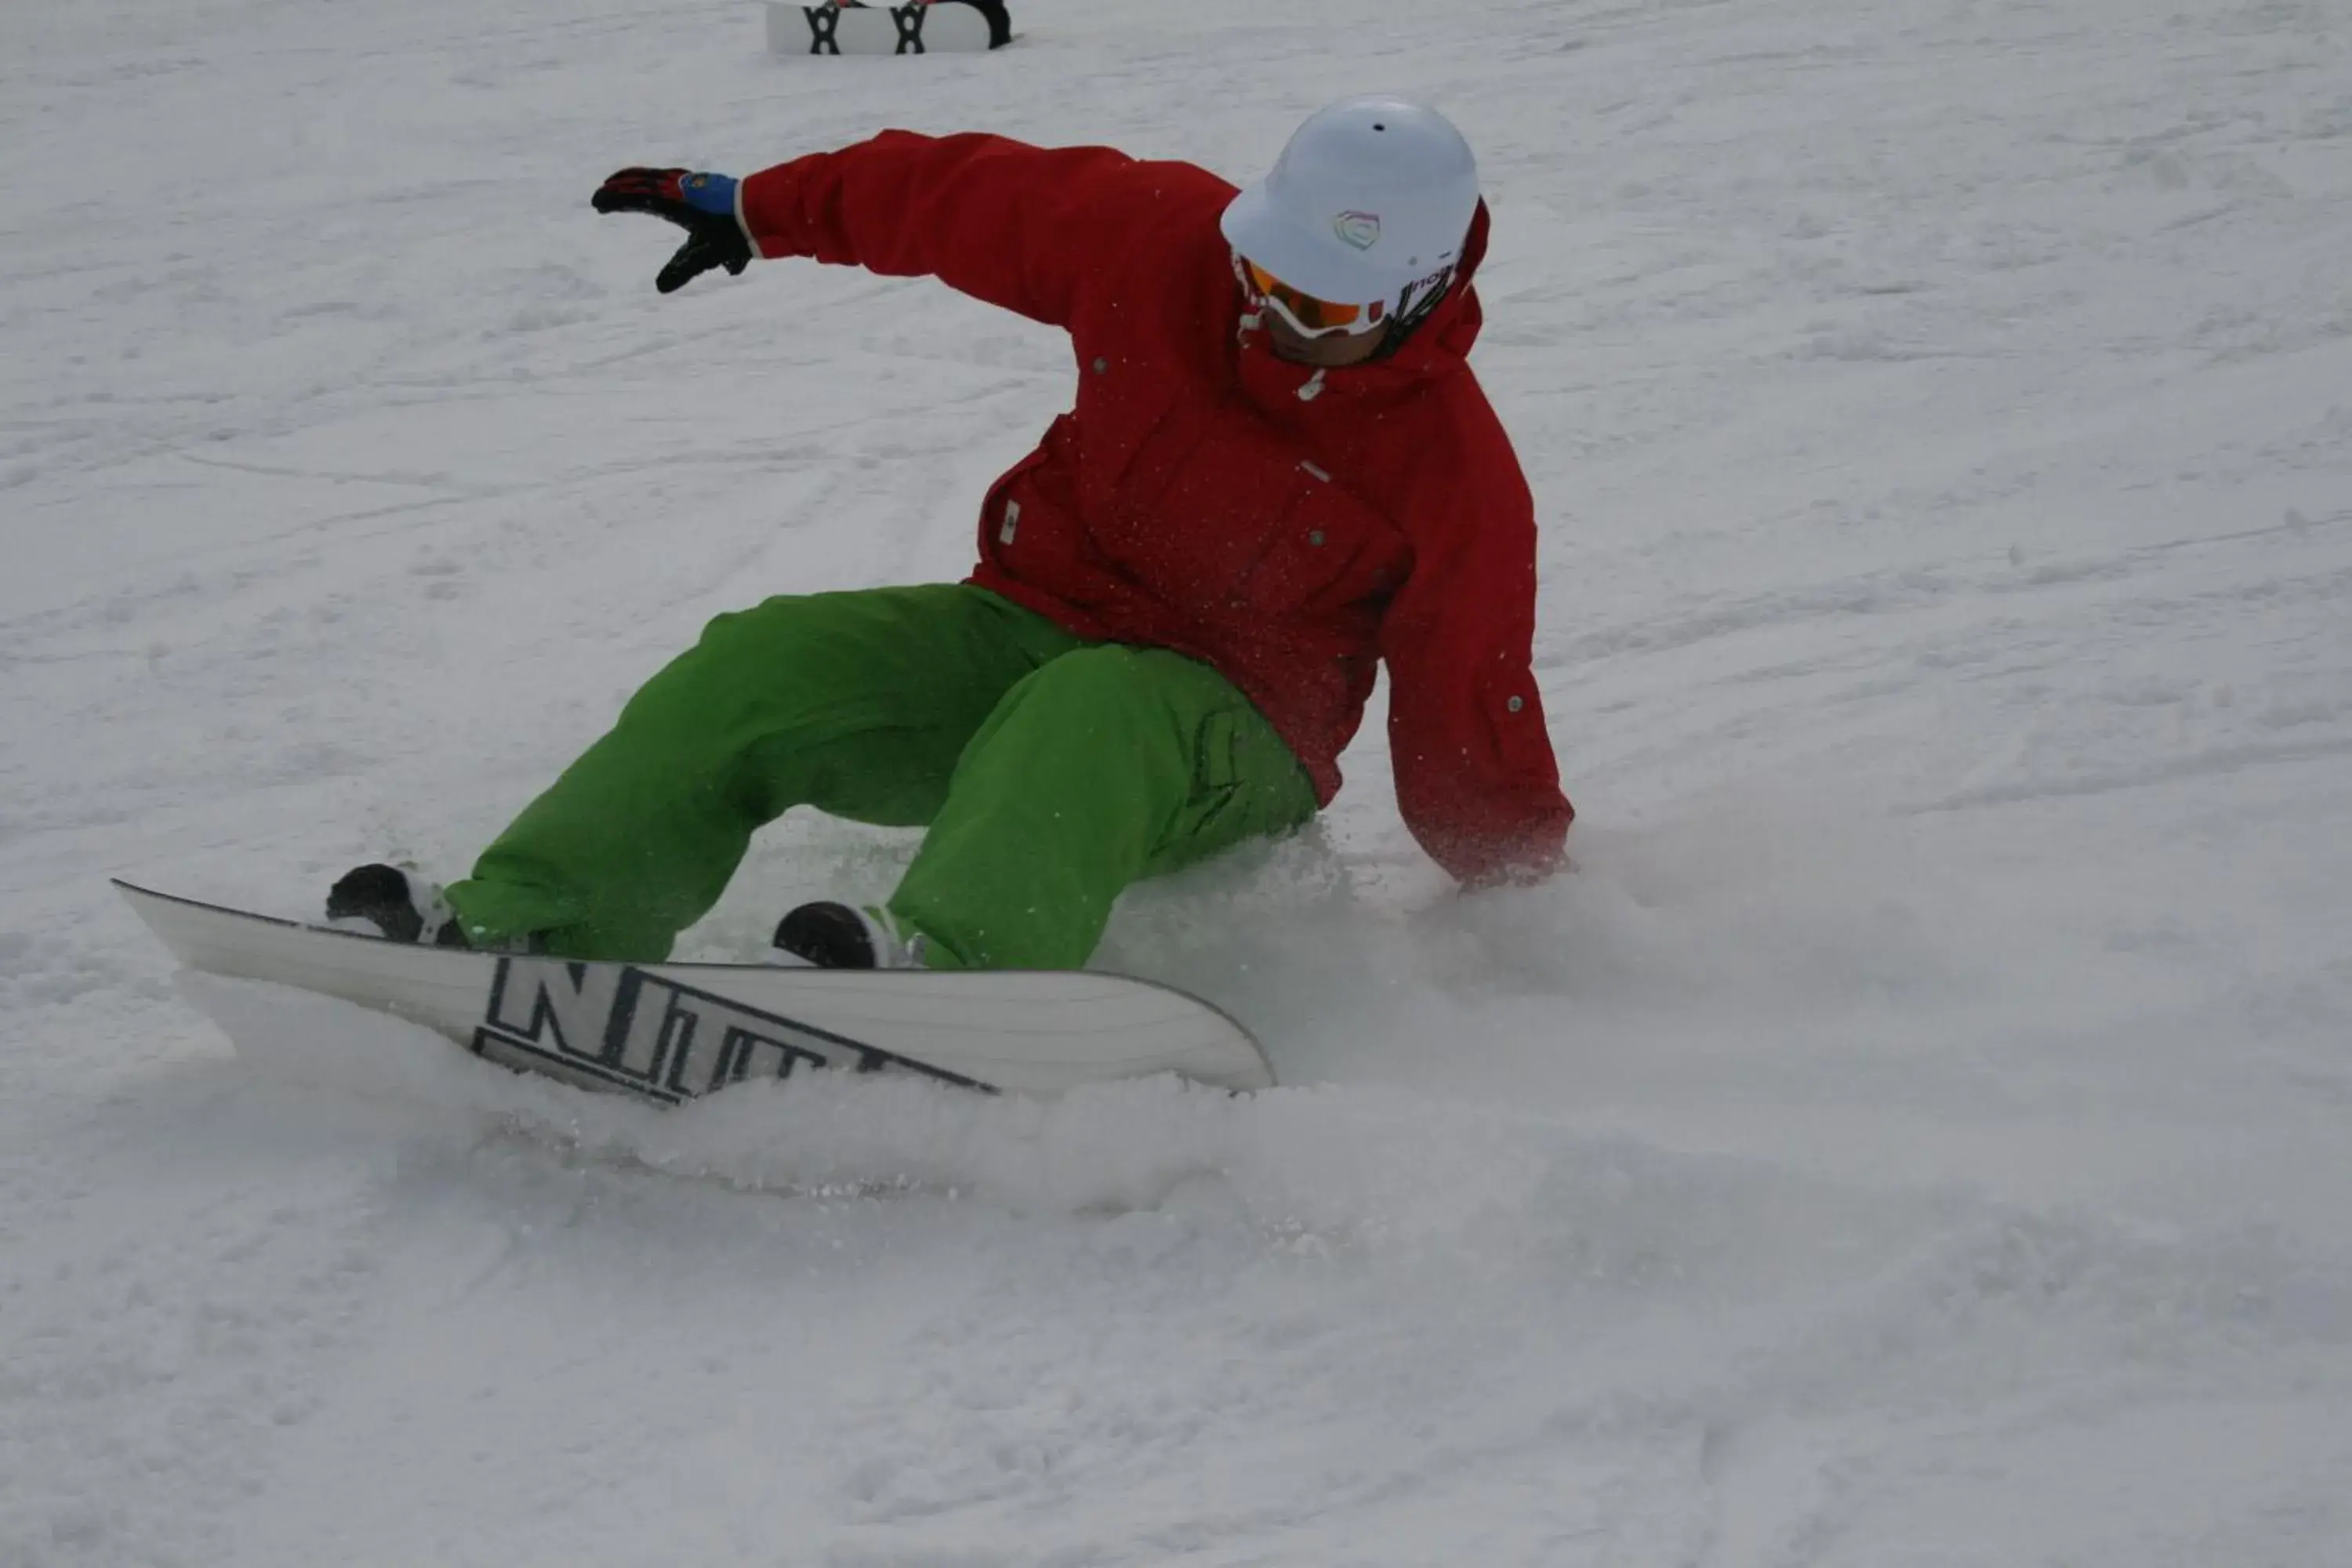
(1214, 515)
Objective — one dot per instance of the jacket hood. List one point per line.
(1439, 346)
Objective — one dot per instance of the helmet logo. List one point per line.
(1362, 230)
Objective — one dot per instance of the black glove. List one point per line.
(702, 204)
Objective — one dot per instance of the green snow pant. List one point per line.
(1051, 771)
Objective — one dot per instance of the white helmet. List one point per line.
(1371, 197)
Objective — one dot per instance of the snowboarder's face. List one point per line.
(1333, 351)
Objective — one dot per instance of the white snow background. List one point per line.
(1915, 1136)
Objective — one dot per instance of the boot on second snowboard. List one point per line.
(828, 935)
(395, 905)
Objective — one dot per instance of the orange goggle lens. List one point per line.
(1306, 312)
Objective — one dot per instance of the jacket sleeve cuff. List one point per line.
(1498, 856)
(762, 203)
(741, 222)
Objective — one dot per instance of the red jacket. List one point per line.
(1194, 499)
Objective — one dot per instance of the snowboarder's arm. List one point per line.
(1475, 777)
(1014, 225)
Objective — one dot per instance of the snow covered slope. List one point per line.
(1916, 1136)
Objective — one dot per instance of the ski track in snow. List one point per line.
(1915, 1137)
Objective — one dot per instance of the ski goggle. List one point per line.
(1307, 314)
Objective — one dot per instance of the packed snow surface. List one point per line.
(1916, 1134)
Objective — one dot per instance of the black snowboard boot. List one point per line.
(828, 935)
(401, 907)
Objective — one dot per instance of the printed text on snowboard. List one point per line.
(628, 1029)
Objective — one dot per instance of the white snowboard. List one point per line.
(951, 27)
(670, 1032)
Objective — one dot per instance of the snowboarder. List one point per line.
(1278, 473)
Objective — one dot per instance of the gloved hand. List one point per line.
(702, 204)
